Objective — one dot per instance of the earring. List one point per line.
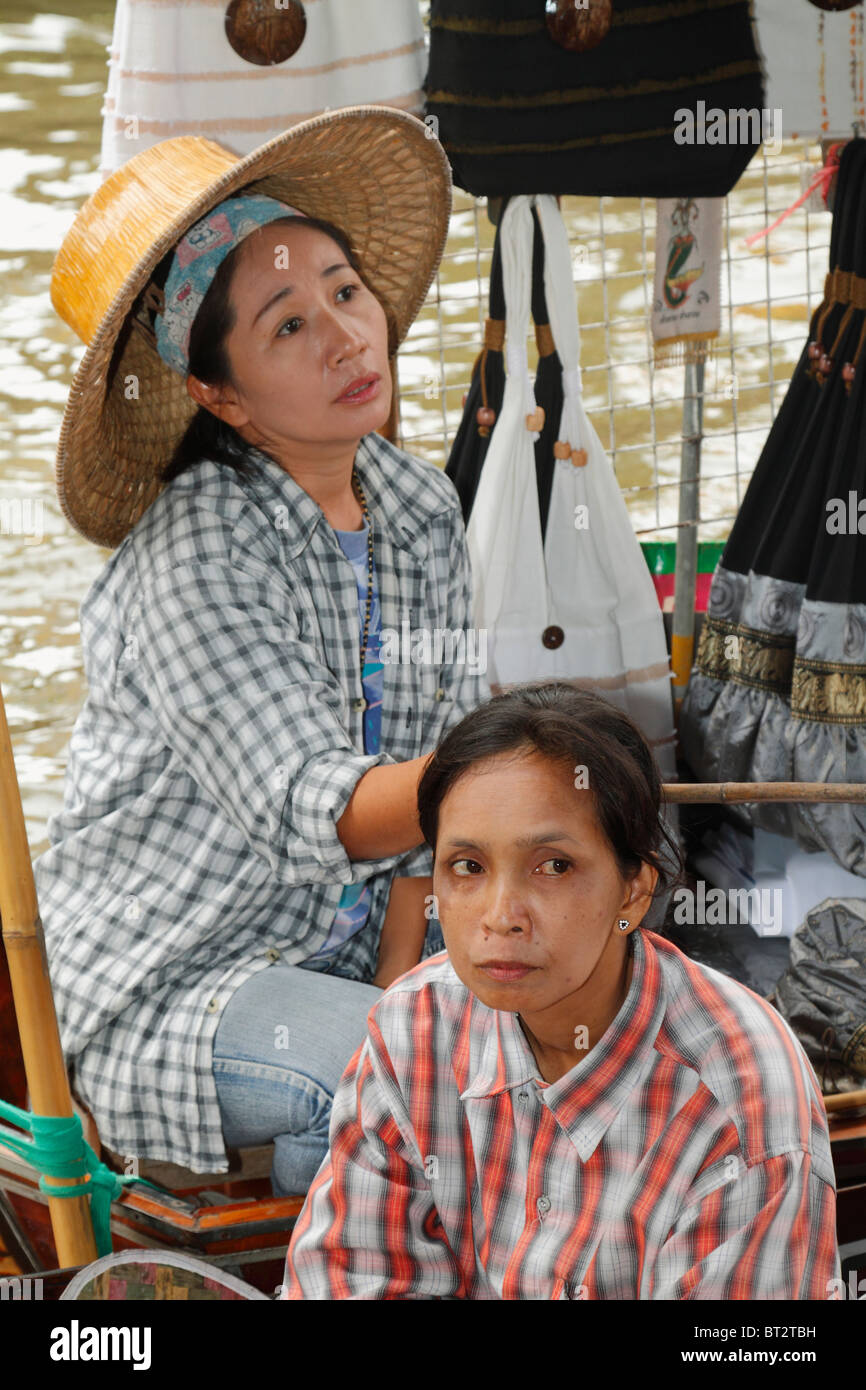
(623, 924)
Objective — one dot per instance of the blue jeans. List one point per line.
(283, 1042)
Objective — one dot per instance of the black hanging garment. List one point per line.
(778, 691)
(548, 379)
(487, 387)
(519, 113)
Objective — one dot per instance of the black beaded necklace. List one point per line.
(362, 499)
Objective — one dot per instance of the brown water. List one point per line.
(53, 69)
(53, 76)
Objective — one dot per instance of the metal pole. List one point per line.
(683, 639)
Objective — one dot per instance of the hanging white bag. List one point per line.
(580, 606)
(600, 592)
(504, 530)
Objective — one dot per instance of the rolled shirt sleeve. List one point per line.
(254, 716)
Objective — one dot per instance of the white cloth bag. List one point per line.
(504, 530)
(172, 71)
(589, 578)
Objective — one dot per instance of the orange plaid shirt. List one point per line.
(686, 1156)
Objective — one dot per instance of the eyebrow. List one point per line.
(525, 842)
(290, 289)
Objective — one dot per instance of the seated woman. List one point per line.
(565, 1105)
(241, 786)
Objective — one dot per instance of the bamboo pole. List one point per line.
(47, 1080)
(845, 1100)
(712, 793)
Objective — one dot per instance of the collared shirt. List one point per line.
(353, 909)
(685, 1157)
(221, 740)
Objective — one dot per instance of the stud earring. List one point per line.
(623, 924)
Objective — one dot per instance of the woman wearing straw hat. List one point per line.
(241, 781)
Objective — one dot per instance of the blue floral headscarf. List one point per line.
(197, 258)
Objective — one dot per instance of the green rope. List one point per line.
(58, 1149)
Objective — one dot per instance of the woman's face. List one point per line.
(528, 889)
(306, 329)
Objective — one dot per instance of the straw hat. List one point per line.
(372, 170)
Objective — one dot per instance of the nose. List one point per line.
(344, 339)
(503, 909)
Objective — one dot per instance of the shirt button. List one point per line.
(272, 954)
(213, 1006)
(553, 637)
(359, 703)
(543, 1204)
(440, 694)
(523, 1095)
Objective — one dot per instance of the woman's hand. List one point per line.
(404, 929)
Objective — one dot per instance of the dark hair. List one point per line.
(207, 436)
(573, 727)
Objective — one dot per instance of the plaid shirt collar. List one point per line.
(587, 1100)
(378, 463)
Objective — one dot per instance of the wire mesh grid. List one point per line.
(768, 293)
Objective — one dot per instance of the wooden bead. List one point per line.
(562, 449)
(815, 351)
(485, 416)
(849, 371)
(578, 458)
(535, 420)
(825, 365)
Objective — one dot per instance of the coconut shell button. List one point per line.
(553, 637)
(263, 32)
(578, 25)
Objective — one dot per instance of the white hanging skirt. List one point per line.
(172, 71)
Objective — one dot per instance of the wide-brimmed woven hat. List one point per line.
(374, 171)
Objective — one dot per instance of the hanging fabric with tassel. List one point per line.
(778, 690)
(580, 604)
(548, 379)
(484, 398)
(483, 401)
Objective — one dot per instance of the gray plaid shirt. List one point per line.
(221, 740)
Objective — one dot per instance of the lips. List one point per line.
(363, 388)
(505, 970)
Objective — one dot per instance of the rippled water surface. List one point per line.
(53, 76)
